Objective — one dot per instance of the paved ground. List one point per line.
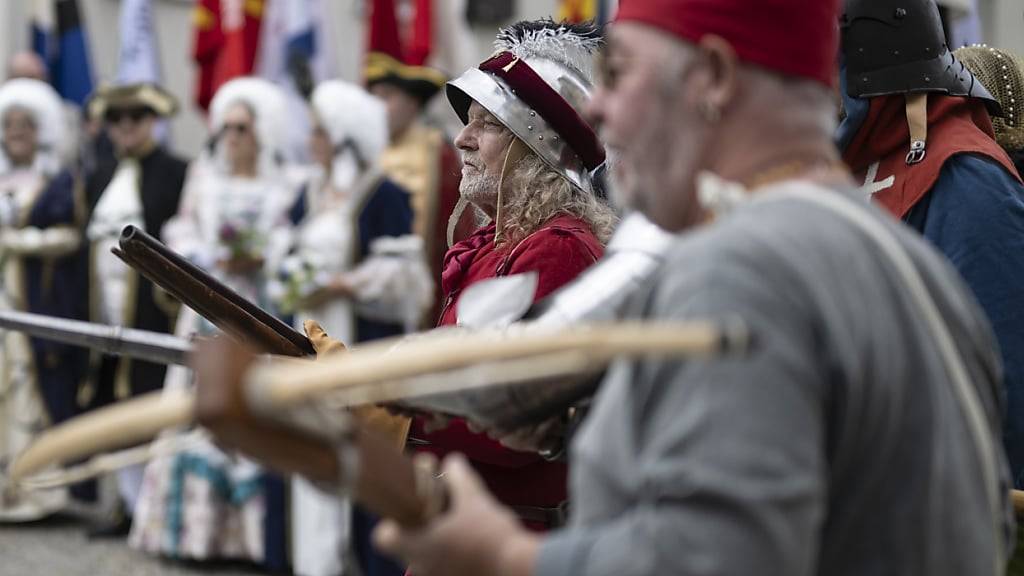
(58, 547)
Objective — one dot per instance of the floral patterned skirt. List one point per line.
(201, 504)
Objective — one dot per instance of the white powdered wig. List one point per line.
(351, 114)
(269, 106)
(571, 45)
(46, 108)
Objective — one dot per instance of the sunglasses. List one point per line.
(238, 128)
(115, 115)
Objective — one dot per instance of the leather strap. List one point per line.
(917, 120)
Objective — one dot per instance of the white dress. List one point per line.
(202, 503)
(325, 242)
(22, 410)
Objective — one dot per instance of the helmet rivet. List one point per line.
(864, 79)
(927, 78)
(555, 138)
(532, 114)
(529, 128)
(541, 137)
(860, 50)
(901, 13)
(895, 52)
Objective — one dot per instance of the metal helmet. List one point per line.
(537, 84)
(899, 47)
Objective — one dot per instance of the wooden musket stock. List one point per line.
(197, 289)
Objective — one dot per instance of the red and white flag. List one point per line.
(226, 41)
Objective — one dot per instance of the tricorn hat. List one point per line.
(421, 82)
(138, 95)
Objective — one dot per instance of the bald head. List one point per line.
(26, 65)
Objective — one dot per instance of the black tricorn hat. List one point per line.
(421, 82)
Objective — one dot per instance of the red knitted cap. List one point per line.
(792, 37)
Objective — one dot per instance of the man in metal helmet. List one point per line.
(528, 155)
(919, 137)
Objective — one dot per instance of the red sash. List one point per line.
(877, 154)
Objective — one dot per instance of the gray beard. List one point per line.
(480, 189)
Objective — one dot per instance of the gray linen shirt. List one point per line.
(837, 447)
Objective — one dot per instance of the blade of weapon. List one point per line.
(115, 340)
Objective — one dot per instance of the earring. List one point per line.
(710, 112)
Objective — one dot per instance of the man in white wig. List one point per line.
(38, 240)
(140, 185)
(357, 269)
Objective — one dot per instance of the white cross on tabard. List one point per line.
(872, 187)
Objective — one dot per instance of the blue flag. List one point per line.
(59, 38)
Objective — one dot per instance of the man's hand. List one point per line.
(322, 343)
(391, 426)
(220, 366)
(475, 536)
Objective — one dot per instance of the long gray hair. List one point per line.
(536, 194)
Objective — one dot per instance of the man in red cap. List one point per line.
(860, 435)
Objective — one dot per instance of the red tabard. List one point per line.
(877, 154)
(558, 252)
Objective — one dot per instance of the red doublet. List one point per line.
(558, 252)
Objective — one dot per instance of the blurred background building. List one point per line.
(461, 33)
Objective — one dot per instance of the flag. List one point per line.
(576, 11)
(138, 57)
(206, 42)
(294, 53)
(59, 38)
(138, 60)
(454, 48)
(225, 42)
(406, 39)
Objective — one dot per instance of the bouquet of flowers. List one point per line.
(241, 243)
(297, 279)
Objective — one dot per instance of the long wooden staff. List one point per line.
(383, 373)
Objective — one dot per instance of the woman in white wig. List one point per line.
(201, 503)
(355, 267)
(38, 239)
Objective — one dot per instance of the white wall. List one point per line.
(1003, 21)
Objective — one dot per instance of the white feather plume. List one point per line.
(570, 45)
